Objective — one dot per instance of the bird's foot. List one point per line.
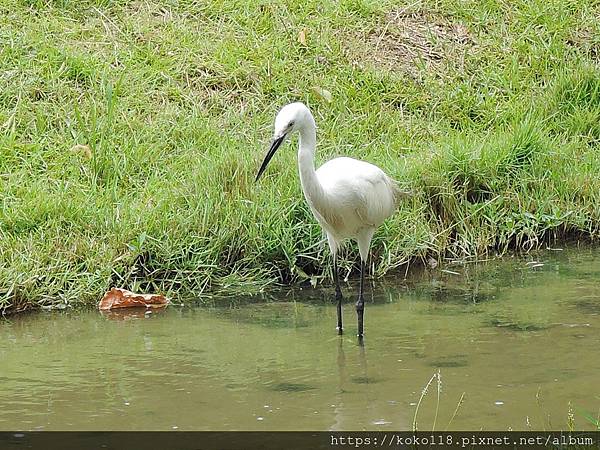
(361, 340)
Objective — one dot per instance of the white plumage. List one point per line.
(358, 197)
(349, 198)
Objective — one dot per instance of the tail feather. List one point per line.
(399, 193)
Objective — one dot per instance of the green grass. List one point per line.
(488, 110)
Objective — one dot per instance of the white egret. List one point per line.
(349, 198)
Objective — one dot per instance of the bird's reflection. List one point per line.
(131, 313)
(360, 379)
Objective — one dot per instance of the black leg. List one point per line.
(360, 303)
(338, 295)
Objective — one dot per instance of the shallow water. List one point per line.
(519, 339)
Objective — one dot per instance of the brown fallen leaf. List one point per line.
(323, 94)
(85, 150)
(121, 298)
(302, 36)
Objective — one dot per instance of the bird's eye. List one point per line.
(291, 124)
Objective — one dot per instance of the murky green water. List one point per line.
(520, 339)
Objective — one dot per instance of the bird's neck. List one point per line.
(306, 163)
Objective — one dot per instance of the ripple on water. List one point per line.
(365, 380)
(450, 361)
(273, 315)
(589, 306)
(291, 387)
(382, 422)
(517, 326)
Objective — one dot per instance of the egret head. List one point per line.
(292, 117)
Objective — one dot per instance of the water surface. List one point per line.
(519, 337)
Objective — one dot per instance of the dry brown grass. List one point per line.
(411, 41)
(587, 41)
(585, 37)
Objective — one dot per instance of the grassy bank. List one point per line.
(131, 133)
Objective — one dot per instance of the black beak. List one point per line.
(274, 146)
